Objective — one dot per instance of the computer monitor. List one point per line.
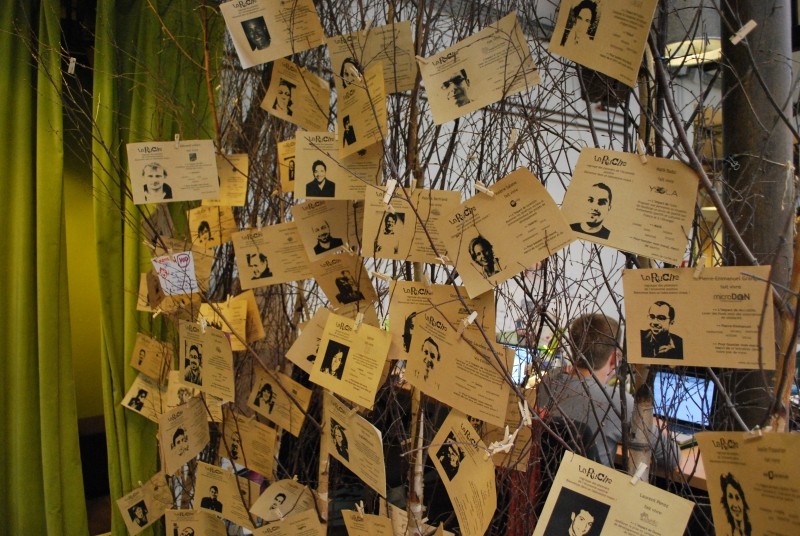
(684, 397)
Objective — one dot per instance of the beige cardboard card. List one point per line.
(280, 399)
(254, 325)
(298, 96)
(263, 30)
(490, 239)
(589, 498)
(151, 357)
(146, 504)
(645, 208)
(183, 306)
(303, 352)
(178, 391)
(193, 523)
(227, 223)
(517, 457)
(146, 397)
(361, 119)
(389, 45)
(752, 481)
(322, 174)
(409, 301)
(176, 273)
(270, 255)
(608, 36)
(248, 442)
(709, 319)
(204, 227)
(218, 490)
(286, 164)
(235, 315)
(182, 434)
(206, 359)
(343, 279)
(328, 226)
(303, 524)
(398, 234)
(350, 361)
(232, 171)
(285, 499)
(468, 475)
(165, 171)
(142, 297)
(399, 519)
(203, 266)
(157, 224)
(483, 68)
(366, 524)
(461, 373)
(355, 442)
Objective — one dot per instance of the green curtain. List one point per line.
(40, 470)
(146, 87)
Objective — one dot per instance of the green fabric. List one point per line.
(145, 89)
(40, 470)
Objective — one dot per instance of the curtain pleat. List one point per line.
(40, 470)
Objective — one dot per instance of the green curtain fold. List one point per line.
(145, 88)
(41, 467)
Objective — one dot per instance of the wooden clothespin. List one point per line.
(701, 265)
(381, 275)
(637, 476)
(483, 188)
(359, 320)
(465, 322)
(642, 150)
(177, 141)
(71, 66)
(743, 31)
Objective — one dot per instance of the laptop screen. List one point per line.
(684, 398)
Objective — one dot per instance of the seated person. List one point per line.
(579, 396)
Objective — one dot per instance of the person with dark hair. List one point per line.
(339, 440)
(348, 289)
(586, 17)
(204, 235)
(334, 365)
(580, 523)
(349, 136)
(582, 394)
(180, 442)
(450, 455)
(279, 499)
(211, 502)
(265, 397)
(193, 365)
(256, 32)
(350, 72)
(236, 443)
(138, 513)
(389, 237)
(155, 189)
(283, 100)
(142, 354)
(321, 186)
(456, 88)
(408, 327)
(735, 505)
(259, 266)
(430, 355)
(598, 206)
(325, 242)
(137, 402)
(657, 341)
(482, 253)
